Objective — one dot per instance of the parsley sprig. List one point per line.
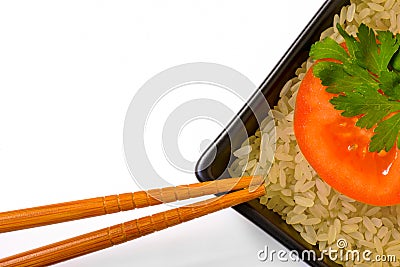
(366, 79)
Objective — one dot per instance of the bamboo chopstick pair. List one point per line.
(238, 190)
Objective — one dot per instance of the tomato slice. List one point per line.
(338, 150)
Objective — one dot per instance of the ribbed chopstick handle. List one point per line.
(117, 234)
(68, 211)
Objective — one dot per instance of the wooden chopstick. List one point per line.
(117, 234)
(74, 210)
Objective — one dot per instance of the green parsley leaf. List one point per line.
(389, 44)
(390, 84)
(328, 48)
(338, 79)
(386, 134)
(396, 61)
(368, 56)
(351, 42)
(366, 85)
(372, 105)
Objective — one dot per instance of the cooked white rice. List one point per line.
(294, 190)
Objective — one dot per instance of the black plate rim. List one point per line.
(203, 172)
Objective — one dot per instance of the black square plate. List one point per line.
(215, 160)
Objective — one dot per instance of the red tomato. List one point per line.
(338, 150)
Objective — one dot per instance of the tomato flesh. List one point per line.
(338, 150)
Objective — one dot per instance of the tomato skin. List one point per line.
(338, 150)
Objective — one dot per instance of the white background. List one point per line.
(68, 71)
